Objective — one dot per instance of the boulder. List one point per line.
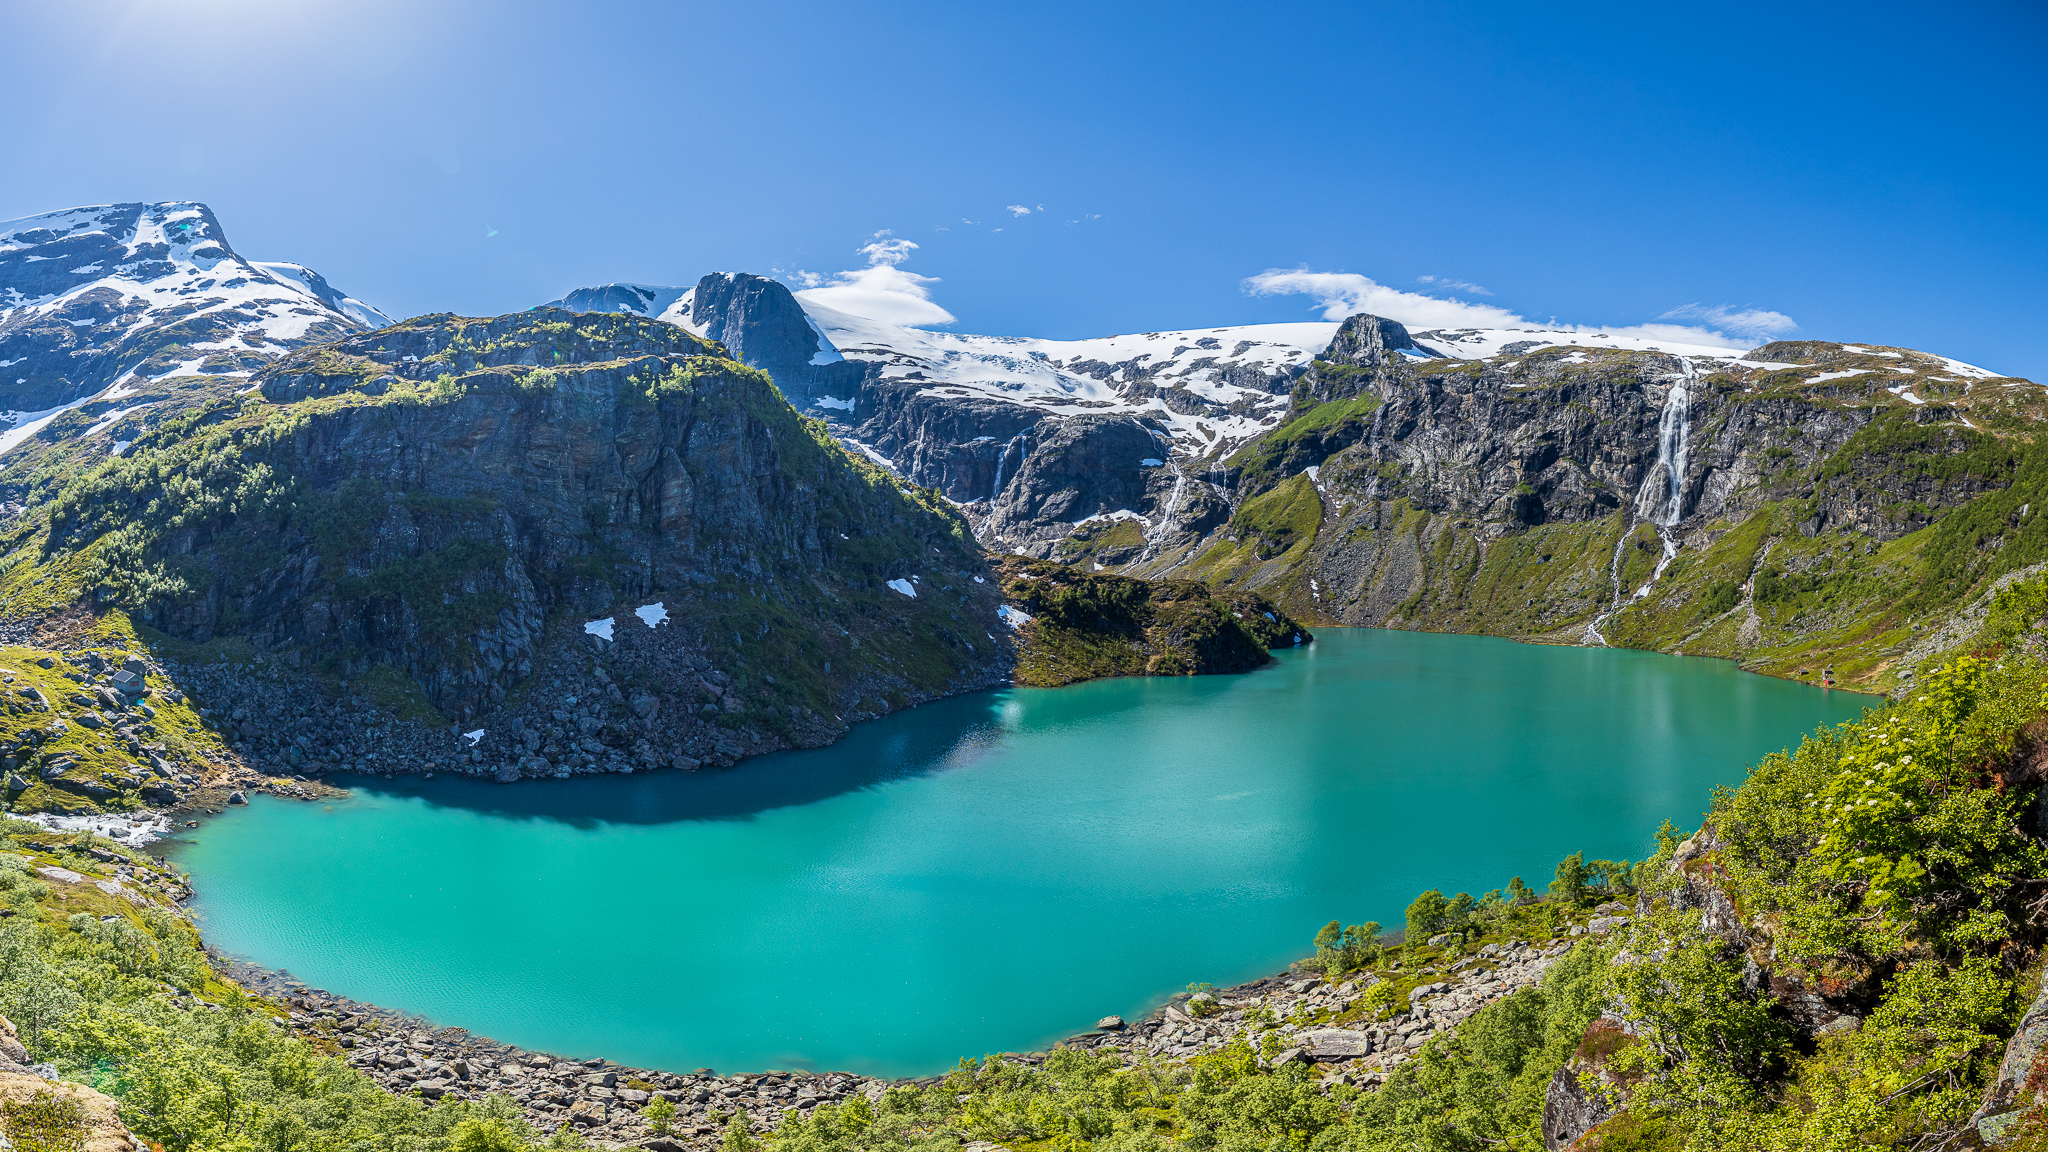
(1335, 1044)
(11, 1046)
(1110, 1024)
(587, 1113)
(102, 1130)
(2009, 1092)
(1581, 1095)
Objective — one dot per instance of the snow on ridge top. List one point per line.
(1481, 343)
(94, 218)
(300, 278)
(162, 261)
(1306, 339)
(1073, 377)
(654, 300)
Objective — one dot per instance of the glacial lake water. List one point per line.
(992, 872)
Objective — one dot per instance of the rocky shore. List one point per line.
(599, 1098)
(1324, 1024)
(1316, 1023)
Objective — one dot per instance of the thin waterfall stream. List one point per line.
(1660, 504)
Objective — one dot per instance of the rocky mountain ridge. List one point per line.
(1548, 484)
(122, 295)
(1773, 507)
(636, 555)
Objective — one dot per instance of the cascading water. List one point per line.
(1664, 504)
(997, 490)
(1661, 499)
(1157, 534)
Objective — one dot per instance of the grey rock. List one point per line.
(1110, 1024)
(1335, 1044)
(2022, 1053)
(1570, 1107)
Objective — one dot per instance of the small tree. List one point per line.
(659, 1114)
(1426, 917)
(1572, 874)
(1329, 946)
(480, 1134)
(1668, 838)
(1362, 944)
(1459, 918)
(1520, 893)
(1340, 949)
(737, 1137)
(1611, 876)
(1377, 999)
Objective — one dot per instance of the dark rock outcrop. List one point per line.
(643, 524)
(1582, 1095)
(1078, 626)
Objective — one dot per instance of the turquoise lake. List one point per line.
(992, 872)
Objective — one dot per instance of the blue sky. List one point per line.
(1870, 172)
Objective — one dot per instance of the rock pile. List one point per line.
(596, 1097)
(1298, 1008)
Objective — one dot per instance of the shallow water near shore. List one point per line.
(991, 872)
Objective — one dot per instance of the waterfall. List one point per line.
(997, 491)
(1158, 533)
(1665, 507)
(1661, 499)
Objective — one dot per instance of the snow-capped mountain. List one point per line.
(123, 294)
(644, 299)
(1207, 389)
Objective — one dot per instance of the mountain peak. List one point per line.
(104, 294)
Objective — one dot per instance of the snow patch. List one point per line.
(135, 829)
(1119, 514)
(475, 738)
(904, 586)
(601, 629)
(109, 419)
(1839, 375)
(27, 424)
(651, 614)
(1012, 617)
(836, 402)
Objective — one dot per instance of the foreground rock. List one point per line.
(595, 1097)
(1359, 1052)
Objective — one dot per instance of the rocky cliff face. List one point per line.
(513, 511)
(127, 294)
(1542, 484)
(1737, 505)
(1028, 437)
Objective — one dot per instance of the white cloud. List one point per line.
(1452, 285)
(1744, 322)
(1342, 294)
(1019, 210)
(881, 291)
